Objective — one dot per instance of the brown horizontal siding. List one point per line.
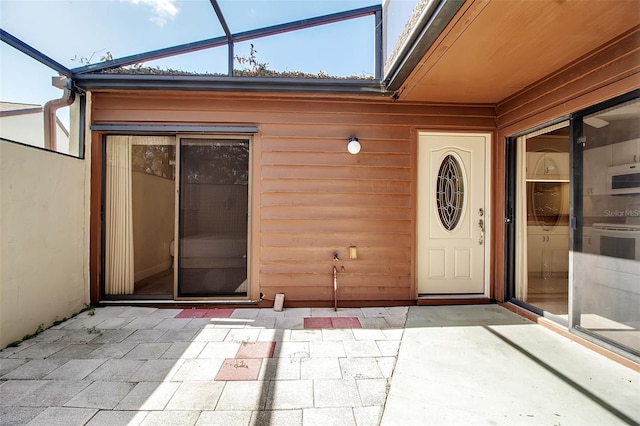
(311, 197)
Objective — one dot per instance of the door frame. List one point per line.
(488, 214)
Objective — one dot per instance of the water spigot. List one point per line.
(336, 258)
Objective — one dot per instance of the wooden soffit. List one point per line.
(493, 49)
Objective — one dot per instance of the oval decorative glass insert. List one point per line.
(449, 192)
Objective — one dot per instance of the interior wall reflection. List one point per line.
(607, 271)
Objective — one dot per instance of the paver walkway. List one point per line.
(447, 365)
(132, 365)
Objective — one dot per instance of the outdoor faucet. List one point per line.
(336, 258)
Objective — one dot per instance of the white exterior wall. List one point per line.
(44, 270)
(29, 129)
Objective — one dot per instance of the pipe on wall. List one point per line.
(50, 108)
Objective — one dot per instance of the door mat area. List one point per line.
(332, 322)
(234, 369)
(205, 313)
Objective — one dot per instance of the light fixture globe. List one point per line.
(353, 146)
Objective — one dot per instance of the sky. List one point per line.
(74, 31)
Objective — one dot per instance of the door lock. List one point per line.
(481, 226)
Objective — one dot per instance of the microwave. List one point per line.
(624, 179)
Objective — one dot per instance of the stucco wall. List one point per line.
(43, 246)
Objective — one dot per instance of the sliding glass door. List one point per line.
(153, 250)
(213, 216)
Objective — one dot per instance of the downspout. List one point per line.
(50, 108)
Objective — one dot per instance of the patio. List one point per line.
(310, 366)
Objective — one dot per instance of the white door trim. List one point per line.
(488, 213)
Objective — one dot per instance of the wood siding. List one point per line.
(310, 197)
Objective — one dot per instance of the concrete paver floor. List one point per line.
(310, 366)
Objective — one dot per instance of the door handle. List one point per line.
(481, 226)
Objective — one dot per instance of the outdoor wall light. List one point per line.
(353, 146)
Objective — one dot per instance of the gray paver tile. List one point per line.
(367, 416)
(220, 350)
(196, 396)
(398, 311)
(320, 368)
(148, 396)
(157, 370)
(270, 313)
(211, 335)
(337, 334)
(35, 369)
(76, 351)
(368, 334)
(18, 415)
(361, 348)
(166, 312)
(239, 396)
(117, 418)
(290, 323)
(144, 336)
(63, 416)
(104, 395)
(115, 323)
(173, 323)
(262, 323)
(374, 323)
(39, 350)
(271, 335)
(50, 336)
(306, 335)
(83, 323)
(184, 350)
(229, 323)
(280, 369)
(373, 392)
(137, 311)
(350, 312)
(291, 349)
(177, 335)
(148, 351)
(53, 393)
(75, 369)
(393, 333)
(395, 322)
(242, 336)
(10, 364)
(323, 312)
(84, 335)
(112, 336)
(276, 417)
(374, 312)
(245, 313)
(297, 312)
(336, 393)
(171, 418)
(388, 347)
(13, 390)
(360, 368)
(144, 323)
(326, 349)
(113, 350)
(290, 394)
(11, 351)
(198, 369)
(198, 324)
(116, 370)
(328, 417)
(226, 418)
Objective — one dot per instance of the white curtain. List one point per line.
(119, 249)
(119, 256)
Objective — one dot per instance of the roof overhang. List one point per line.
(96, 82)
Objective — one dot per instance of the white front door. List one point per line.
(452, 213)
